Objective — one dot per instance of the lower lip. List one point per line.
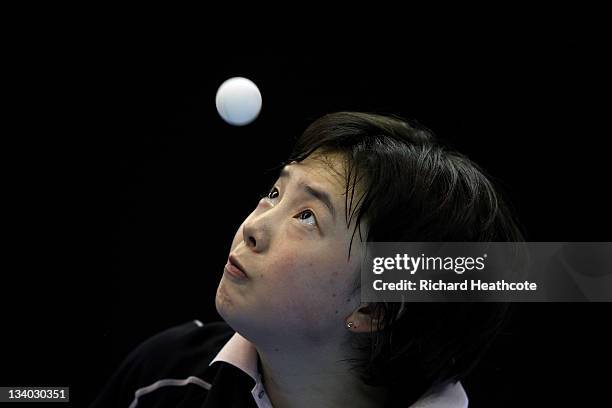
(234, 272)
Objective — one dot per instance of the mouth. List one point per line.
(234, 268)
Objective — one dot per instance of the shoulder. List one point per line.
(193, 336)
(182, 349)
(180, 352)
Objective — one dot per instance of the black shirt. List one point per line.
(171, 369)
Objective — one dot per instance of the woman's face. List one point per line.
(293, 249)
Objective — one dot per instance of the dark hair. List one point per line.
(411, 187)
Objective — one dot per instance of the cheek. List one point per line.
(237, 237)
(312, 290)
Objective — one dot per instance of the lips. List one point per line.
(235, 267)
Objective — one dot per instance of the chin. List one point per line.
(223, 303)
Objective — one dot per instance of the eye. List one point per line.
(307, 216)
(273, 193)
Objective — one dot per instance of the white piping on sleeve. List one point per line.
(165, 383)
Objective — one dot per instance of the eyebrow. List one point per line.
(317, 194)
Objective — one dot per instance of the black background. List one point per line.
(123, 188)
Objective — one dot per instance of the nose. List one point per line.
(256, 232)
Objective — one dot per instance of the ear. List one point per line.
(363, 319)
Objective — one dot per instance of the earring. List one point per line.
(350, 325)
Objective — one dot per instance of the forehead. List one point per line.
(326, 171)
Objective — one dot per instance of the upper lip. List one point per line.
(237, 264)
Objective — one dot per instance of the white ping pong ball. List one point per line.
(238, 101)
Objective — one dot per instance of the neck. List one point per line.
(314, 377)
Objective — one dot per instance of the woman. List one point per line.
(296, 333)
